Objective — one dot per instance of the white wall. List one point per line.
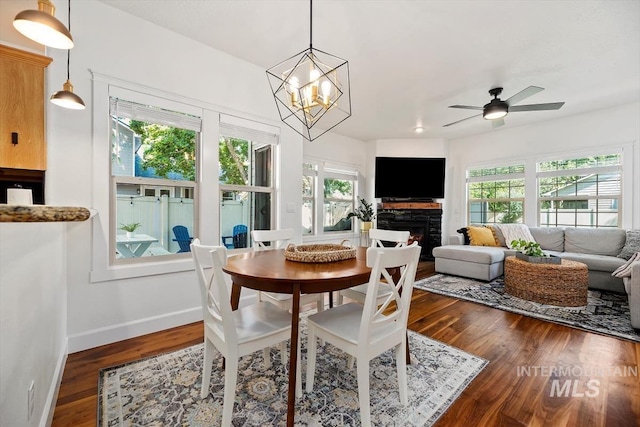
(33, 307)
(143, 54)
(606, 128)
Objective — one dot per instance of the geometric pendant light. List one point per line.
(312, 88)
(42, 26)
(65, 97)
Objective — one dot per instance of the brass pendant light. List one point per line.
(312, 88)
(42, 26)
(66, 98)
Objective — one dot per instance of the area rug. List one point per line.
(165, 390)
(605, 313)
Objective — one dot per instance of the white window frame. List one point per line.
(531, 210)
(495, 178)
(331, 170)
(581, 171)
(151, 115)
(253, 132)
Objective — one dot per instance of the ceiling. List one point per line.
(410, 60)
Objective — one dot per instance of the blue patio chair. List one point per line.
(182, 237)
(238, 239)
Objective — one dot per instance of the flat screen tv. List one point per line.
(415, 178)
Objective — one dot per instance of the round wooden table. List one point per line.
(269, 271)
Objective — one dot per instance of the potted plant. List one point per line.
(532, 252)
(365, 214)
(130, 228)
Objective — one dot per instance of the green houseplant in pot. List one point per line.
(532, 252)
(364, 213)
(130, 228)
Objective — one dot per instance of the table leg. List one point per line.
(293, 354)
(235, 296)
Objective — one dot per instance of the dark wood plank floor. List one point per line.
(499, 396)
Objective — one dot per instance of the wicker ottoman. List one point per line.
(556, 284)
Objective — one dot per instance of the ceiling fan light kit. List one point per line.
(497, 108)
(41, 26)
(311, 87)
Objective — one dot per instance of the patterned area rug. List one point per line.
(165, 390)
(606, 312)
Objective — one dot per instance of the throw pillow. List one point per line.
(465, 234)
(481, 236)
(631, 245)
(513, 232)
(625, 269)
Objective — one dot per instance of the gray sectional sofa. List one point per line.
(597, 248)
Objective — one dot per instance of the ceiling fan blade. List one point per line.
(537, 107)
(449, 124)
(523, 94)
(466, 107)
(497, 123)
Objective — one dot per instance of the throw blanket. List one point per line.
(625, 269)
(514, 232)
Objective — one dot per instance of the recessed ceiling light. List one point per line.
(419, 129)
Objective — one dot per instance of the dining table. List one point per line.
(270, 271)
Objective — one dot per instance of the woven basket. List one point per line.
(319, 253)
(562, 284)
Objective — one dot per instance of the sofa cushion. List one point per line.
(481, 236)
(511, 232)
(549, 239)
(596, 241)
(631, 245)
(477, 254)
(595, 262)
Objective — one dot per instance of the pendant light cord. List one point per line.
(310, 24)
(69, 50)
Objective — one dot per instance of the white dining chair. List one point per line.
(365, 331)
(377, 237)
(279, 239)
(235, 333)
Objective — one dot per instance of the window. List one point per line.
(325, 208)
(580, 192)
(153, 179)
(309, 182)
(246, 176)
(496, 195)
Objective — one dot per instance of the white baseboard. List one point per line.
(52, 395)
(124, 331)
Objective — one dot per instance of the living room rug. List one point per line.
(165, 390)
(606, 312)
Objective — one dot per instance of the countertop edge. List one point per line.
(43, 213)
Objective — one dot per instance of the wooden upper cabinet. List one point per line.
(22, 109)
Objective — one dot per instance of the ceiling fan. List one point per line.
(497, 108)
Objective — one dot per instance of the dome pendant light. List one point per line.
(42, 26)
(66, 98)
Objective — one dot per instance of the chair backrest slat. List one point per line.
(216, 302)
(277, 239)
(384, 260)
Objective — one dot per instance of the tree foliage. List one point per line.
(337, 188)
(167, 149)
(234, 160)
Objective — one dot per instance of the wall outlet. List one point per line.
(30, 399)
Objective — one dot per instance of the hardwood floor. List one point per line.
(503, 394)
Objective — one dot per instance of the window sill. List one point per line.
(119, 272)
